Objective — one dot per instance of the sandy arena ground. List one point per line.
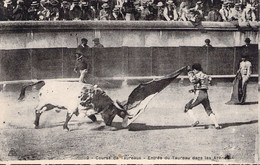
(162, 131)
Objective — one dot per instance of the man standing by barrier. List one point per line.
(200, 82)
(82, 66)
(240, 83)
(97, 43)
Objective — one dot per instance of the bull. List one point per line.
(76, 98)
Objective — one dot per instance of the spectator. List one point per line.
(248, 13)
(198, 12)
(75, 10)
(117, 13)
(105, 13)
(144, 12)
(224, 12)
(170, 12)
(8, 10)
(184, 12)
(54, 10)
(151, 15)
(160, 9)
(247, 43)
(97, 44)
(129, 10)
(236, 13)
(207, 44)
(2, 11)
(214, 15)
(44, 12)
(33, 11)
(208, 5)
(20, 12)
(65, 11)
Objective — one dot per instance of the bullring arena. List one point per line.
(163, 132)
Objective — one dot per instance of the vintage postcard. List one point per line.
(129, 82)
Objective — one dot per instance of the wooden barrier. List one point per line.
(58, 63)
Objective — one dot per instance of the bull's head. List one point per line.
(109, 113)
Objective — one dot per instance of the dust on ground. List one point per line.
(162, 132)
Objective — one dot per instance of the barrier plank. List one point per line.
(165, 60)
(47, 63)
(191, 55)
(139, 61)
(69, 60)
(221, 61)
(16, 64)
(108, 62)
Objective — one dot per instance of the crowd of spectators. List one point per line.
(165, 10)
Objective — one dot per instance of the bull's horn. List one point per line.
(117, 105)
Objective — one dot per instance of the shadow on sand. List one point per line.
(143, 127)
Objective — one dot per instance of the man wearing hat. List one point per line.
(129, 10)
(20, 11)
(117, 13)
(33, 10)
(170, 12)
(8, 10)
(160, 10)
(197, 11)
(97, 44)
(207, 43)
(54, 10)
(75, 10)
(248, 13)
(224, 12)
(236, 13)
(214, 15)
(105, 13)
(82, 66)
(65, 11)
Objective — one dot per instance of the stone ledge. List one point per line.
(117, 25)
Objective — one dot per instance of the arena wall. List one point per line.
(48, 34)
(46, 50)
(53, 63)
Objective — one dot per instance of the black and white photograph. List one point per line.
(122, 81)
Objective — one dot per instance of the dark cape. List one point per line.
(238, 95)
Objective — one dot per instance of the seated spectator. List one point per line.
(105, 13)
(224, 12)
(8, 10)
(207, 44)
(214, 15)
(184, 12)
(152, 11)
(54, 10)
(117, 13)
(197, 11)
(236, 13)
(43, 11)
(2, 13)
(65, 11)
(170, 12)
(160, 10)
(75, 10)
(33, 11)
(20, 12)
(248, 13)
(97, 44)
(129, 10)
(144, 11)
(208, 5)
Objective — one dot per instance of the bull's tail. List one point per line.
(22, 94)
